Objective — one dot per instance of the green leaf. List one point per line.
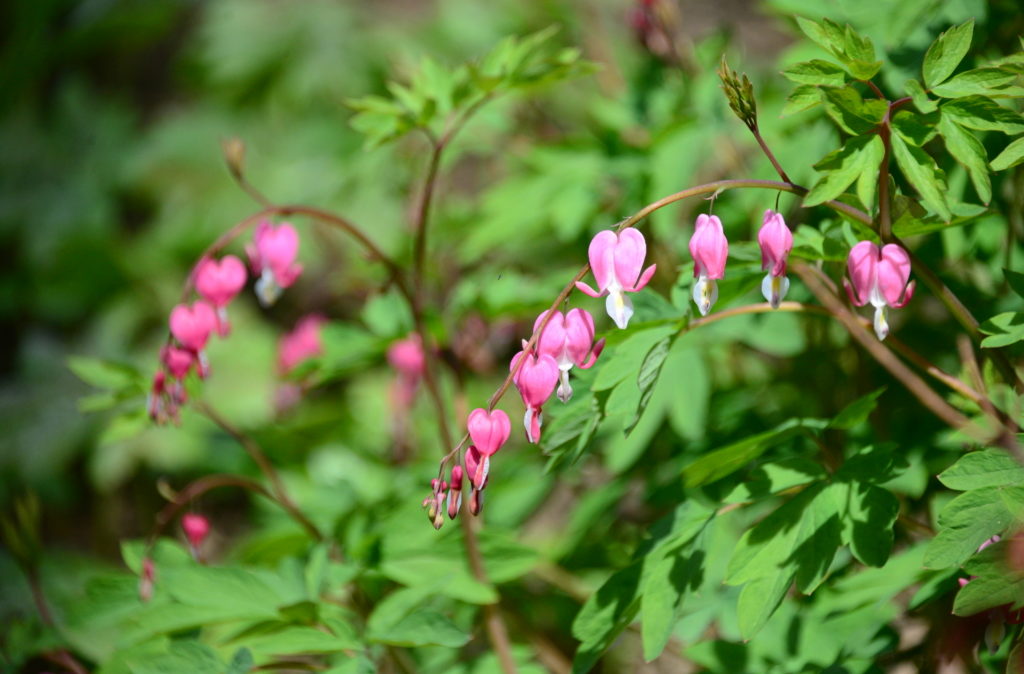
(860, 156)
(995, 583)
(1003, 330)
(851, 112)
(605, 614)
(104, 373)
(727, 460)
(647, 377)
(869, 513)
(945, 54)
(401, 620)
(1016, 281)
(626, 358)
(1012, 155)
(828, 34)
(857, 412)
(670, 573)
(217, 587)
(241, 662)
(969, 151)
(759, 599)
(816, 72)
(913, 128)
(977, 81)
(983, 114)
(300, 640)
(923, 174)
(804, 97)
(920, 98)
(965, 523)
(986, 468)
(860, 55)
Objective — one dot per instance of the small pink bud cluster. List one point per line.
(217, 282)
(879, 276)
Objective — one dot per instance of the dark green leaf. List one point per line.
(945, 54)
(721, 462)
(923, 174)
(104, 373)
(648, 377)
(851, 112)
(857, 412)
(241, 662)
(914, 128)
(995, 583)
(605, 614)
(1016, 281)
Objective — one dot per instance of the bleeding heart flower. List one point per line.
(407, 358)
(569, 339)
(455, 492)
(488, 430)
(709, 249)
(272, 255)
(218, 283)
(300, 344)
(879, 276)
(616, 260)
(177, 361)
(192, 327)
(536, 381)
(776, 242)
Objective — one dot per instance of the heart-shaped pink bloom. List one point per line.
(192, 326)
(569, 339)
(177, 361)
(196, 528)
(879, 276)
(488, 430)
(272, 255)
(776, 242)
(617, 261)
(478, 465)
(536, 381)
(219, 282)
(406, 356)
(300, 344)
(709, 247)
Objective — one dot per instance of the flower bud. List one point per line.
(196, 528)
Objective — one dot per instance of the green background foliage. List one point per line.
(749, 494)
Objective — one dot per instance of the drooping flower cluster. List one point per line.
(879, 276)
(217, 282)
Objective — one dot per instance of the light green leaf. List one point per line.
(647, 377)
(920, 98)
(1012, 155)
(861, 155)
(983, 114)
(995, 583)
(1003, 330)
(923, 174)
(670, 572)
(945, 54)
(759, 599)
(851, 112)
(104, 373)
(605, 614)
(804, 97)
(857, 412)
(913, 128)
(977, 81)
(828, 34)
(969, 151)
(986, 468)
(816, 72)
(964, 524)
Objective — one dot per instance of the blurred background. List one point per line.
(112, 182)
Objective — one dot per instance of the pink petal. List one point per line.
(278, 248)
(537, 379)
(893, 273)
(488, 430)
(644, 278)
(709, 247)
(301, 344)
(602, 258)
(406, 356)
(579, 335)
(193, 326)
(776, 242)
(861, 265)
(552, 340)
(629, 256)
(587, 290)
(477, 467)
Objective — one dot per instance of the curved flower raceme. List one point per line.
(272, 255)
(218, 283)
(616, 260)
(709, 249)
(536, 381)
(569, 339)
(488, 432)
(776, 242)
(879, 276)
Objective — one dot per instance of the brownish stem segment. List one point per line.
(768, 153)
(280, 493)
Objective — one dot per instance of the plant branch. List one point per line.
(768, 153)
(194, 490)
(254, 451)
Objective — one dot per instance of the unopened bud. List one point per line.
(234, 154)
(476, 501)
(147, 580)
(740, 94)
(196, 528)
